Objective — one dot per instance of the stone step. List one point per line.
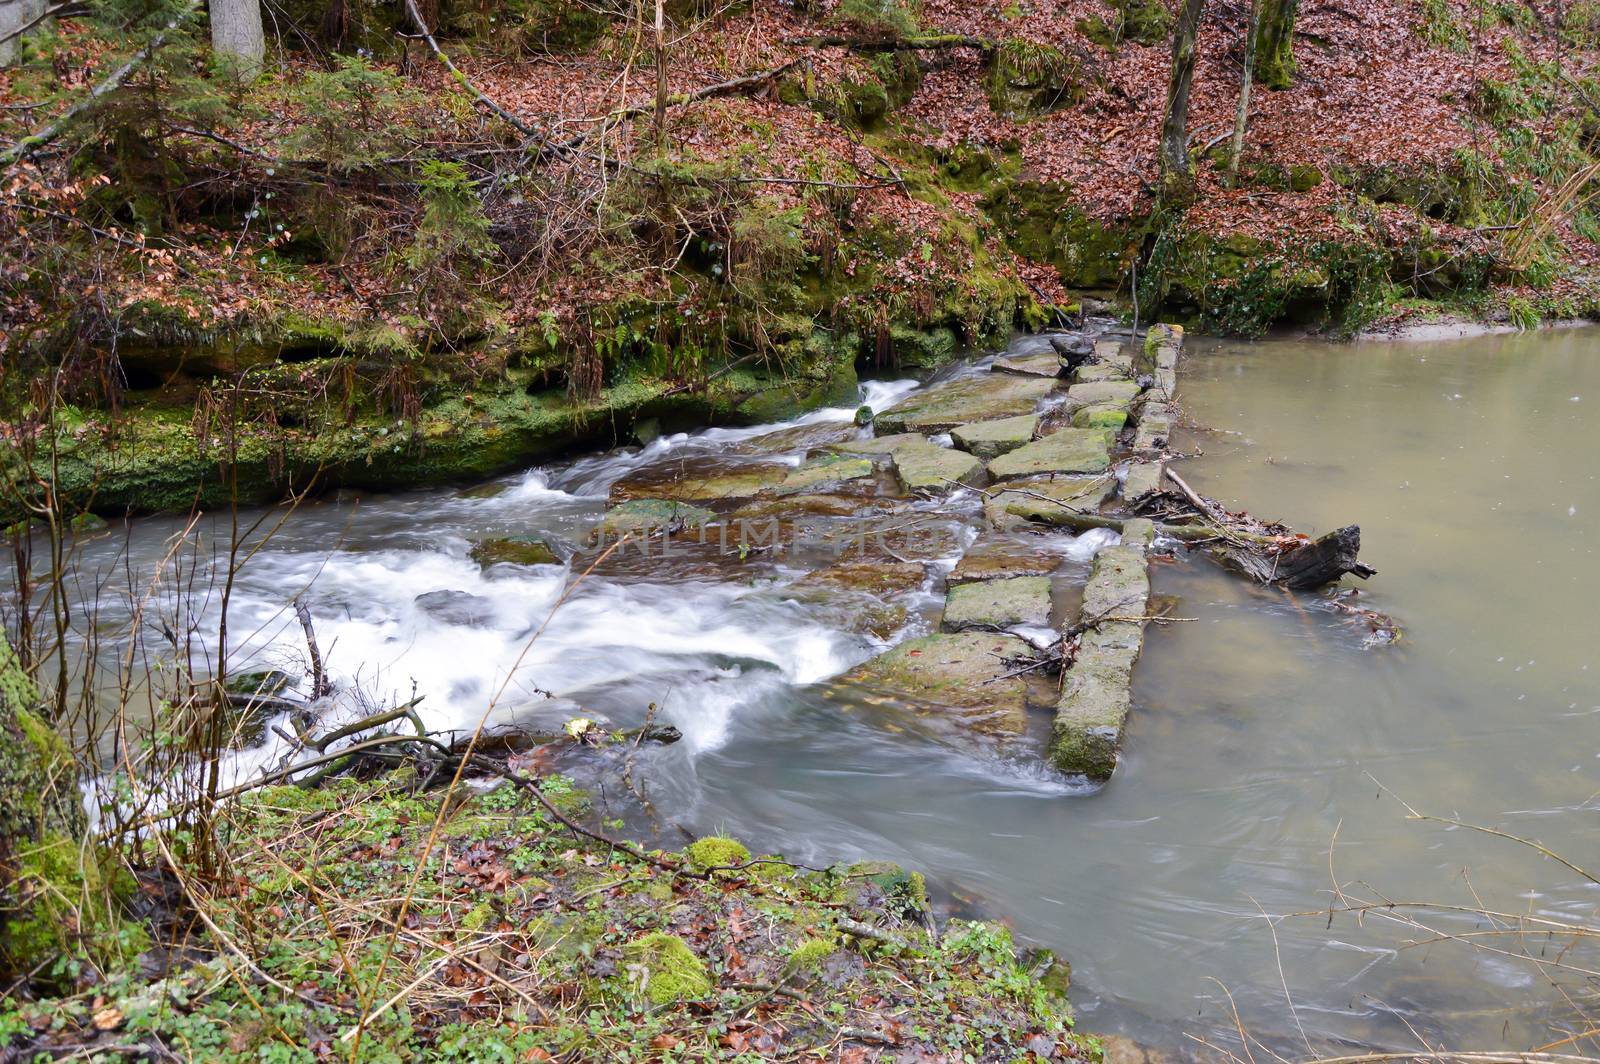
(964, 401)
(991, 439)
(1001, 603)
(1071, 451)
(960, 676)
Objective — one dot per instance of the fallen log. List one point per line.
(1311, 564)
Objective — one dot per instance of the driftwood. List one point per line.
(1310, 565)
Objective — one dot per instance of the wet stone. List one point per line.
(991, 439)
(513, 550)
(876, 445)
(930, 467)
(702, 480)
(1118, 585)
(1000, 557)
(1096, 392)
(1090, 718)
(970, 399)
(457, 607)
(1049, 500)
(956, 676)
(1109, 416)
(1143, 478)
(648, 515)
(1095, 372)
(795, 438)
(1005, 603)
(874, 577)
(1067, 451)
(827, 471)
(1041, 365)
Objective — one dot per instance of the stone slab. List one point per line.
(960, 402)
(991, 439)
(929, 467)
(1142, 479)
(1067, 451)
(1048, 500)
(1001, 557)
(956, 676)
(1018, 600)
(1041, 365)
(1109, 391)
(648, 515)
(825, 472)
(876, 445)
(701, 480)
(1108, 416)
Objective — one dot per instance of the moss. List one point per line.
(715, 851)
(670, 971)
(809, 955)
(1030, 78)
(1040, 221)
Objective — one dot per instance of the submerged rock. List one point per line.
(960, 677)
(457, 607)
(1044, 365)
(991, 439)
(877, 445)
(824, 472)
(513, 550)
(959, 402)
(999, 557)
(703, 480)
(1003, 603)
(649, 515)
(1066, 451)
(929, 467)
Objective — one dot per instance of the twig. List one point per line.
(427, 35)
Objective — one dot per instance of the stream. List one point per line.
(1269, 750)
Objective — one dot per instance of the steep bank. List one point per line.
(355, 252)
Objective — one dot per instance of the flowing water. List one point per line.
(1269, 750)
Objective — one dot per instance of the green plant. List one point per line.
(354, 114)
(451, 247)
(888, 18)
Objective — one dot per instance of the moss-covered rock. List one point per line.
(926, 467)
(716, 851)
(513, 550)
(1069, 451)
(960, 402)
(991, 439)
(668, 969)
(1001, 603)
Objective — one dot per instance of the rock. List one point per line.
(1072, 345)
(1119, 1049)
(513, 550)
(1154, 429)
(876, 445)
(1067, 451)
(958, 402)
(457, 607)
(864, 415)
(956, 674)
(650, 515)
(878, 578)
(1045, 499)
(1101, 371)
(1019, 600)
(1093, 393)
(1108, 416)
(999, 557)
(1048, 365)
(1142, 479)
(701, 480)
(825, 472)
(796, 506)
(647, 431)
(1139, 532)
(929, 467)
(484, 491)
(671, 970)
(1095, 695)
(991, 439)
(794, 438)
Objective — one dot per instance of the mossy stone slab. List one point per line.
(707, 480)
(1047, 499)
(1066, 451)
(877, 445)
(1047, 364)
(825, 472)
(1090, 718)
(1003, 603)
(1109, 416)
(1118, 585)
(1092, 393)
(960, 402)
(1143, 478)
(929, 467)
(991, 439)
(1000, 557)
(650, 515)
(513, 550)
(961, 675)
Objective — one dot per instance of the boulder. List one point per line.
(513, 550)
(457, 607)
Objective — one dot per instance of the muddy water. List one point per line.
(1263, 736)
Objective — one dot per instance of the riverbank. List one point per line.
(359, 922)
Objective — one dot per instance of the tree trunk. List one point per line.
(14, 16)
(1175, 131)
(1274, 66)
(237, 38)
(1241, 118)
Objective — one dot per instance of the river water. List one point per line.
(1269, 752)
